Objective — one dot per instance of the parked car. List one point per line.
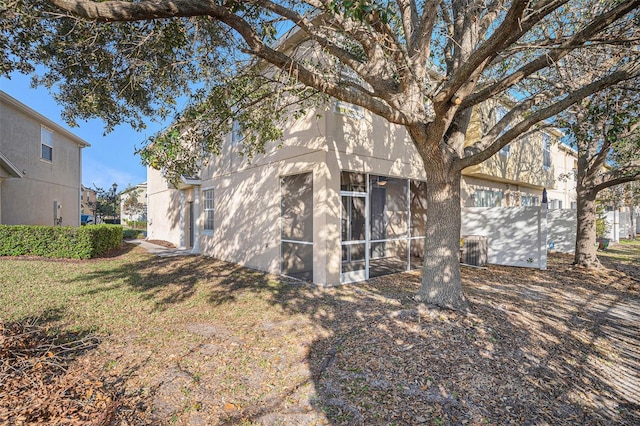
(87, 219)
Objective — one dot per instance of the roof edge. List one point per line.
(8, 165)
(5, 97)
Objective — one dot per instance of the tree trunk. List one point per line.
(441, 284)
(585, 253)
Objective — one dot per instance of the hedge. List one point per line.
(59, 241)
(129, 234)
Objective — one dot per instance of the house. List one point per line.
(88, 199)
(133, 203)
(40, 168)
(518, 174)
(342, 200)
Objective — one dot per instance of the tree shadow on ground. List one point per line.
(556, 347)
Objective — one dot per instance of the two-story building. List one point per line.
(342, 200)
(519, 173)
(88, 200)
(133, 203)
(40, 168)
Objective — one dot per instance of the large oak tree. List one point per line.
(419, 64)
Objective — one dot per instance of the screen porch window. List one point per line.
(296, 220)
(382, 225)
(46, 143)
(207, 209)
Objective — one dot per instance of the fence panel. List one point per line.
(516, 235)
(562, 230)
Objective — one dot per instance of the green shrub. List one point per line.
(59, 241)
(129, 234)
(137, 224)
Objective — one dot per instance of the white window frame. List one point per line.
(555, 204)
(492, 197)
(208, 208)
(46, 139)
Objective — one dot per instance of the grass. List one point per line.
(196, 340)
(626, 251)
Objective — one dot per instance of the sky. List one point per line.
(110, 158)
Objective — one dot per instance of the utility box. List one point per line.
(473, 250)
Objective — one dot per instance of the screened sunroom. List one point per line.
(382, 225)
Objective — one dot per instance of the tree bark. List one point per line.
(585, 253)
(441, 284)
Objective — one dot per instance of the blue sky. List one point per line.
(110, 158)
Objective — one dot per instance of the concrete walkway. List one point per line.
(160, 250)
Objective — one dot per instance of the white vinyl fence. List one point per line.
(521, 236)
(516, 236)
(561, 235)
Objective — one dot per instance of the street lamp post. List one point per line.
(114, 188)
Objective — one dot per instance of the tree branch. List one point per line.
(487, 146)
(552, 56)
(482, 55)
(112, 11)
(616, 177)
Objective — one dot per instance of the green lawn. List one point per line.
(627, 251)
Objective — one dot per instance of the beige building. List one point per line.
(518, 174)
(40, 168)
(133, 203)
(88, 199)
(342, 200)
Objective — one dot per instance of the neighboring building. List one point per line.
(40, 168)
(342, 200)
(518, 174)
(88, 199)
(133, 203)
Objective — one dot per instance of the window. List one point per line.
(487, 198)
(529, 200)
(555, 204)
(574, 205)
(207, 209)
(236, 133)
(46, 141)
(546, 151)
(296, 232)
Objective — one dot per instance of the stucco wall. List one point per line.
(247, 213)
(30, 200)
(164, 209)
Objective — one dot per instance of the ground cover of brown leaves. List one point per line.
(556, 347)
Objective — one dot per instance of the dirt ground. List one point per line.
(553, 347)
